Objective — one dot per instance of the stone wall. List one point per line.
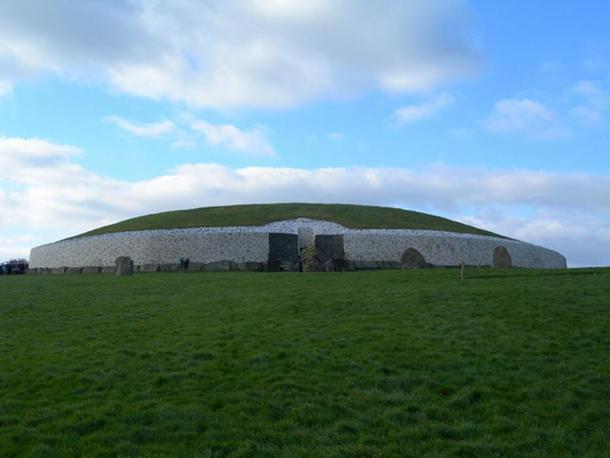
(445, 249)
(249, 245)
(154, 248)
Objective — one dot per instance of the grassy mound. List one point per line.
(381, 363)
(352, 216)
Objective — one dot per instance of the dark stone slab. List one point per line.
(336, 265)
(148, 268)
(283, 248)
(412, 259)
(501, 258)
(91, 270)
(194, 267)
(253, 266)
(169, 267)
(108, 269)
(274, 266)
(74, 270)
(364, 265)
(219, 265)
(392, 265)
(58, 270)
(329, 247)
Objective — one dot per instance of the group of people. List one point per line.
(184, 264)
(14, 267)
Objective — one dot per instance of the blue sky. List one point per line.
(493, 113)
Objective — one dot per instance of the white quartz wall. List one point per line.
(251, 244)
(446, 249)
(153, 247)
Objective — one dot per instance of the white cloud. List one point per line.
(594, 102)
(5, 87)
(186, 129)
(524, 116)
(587, 116)
(262, 53)
(413, 113)
(52, 197)
(228, 136)
(593, 93)
(462, 133)
(142, 129)
(21, 157)
(336, 136)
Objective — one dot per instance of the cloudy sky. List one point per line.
(494, 113)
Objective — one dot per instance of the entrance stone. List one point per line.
(309, 260)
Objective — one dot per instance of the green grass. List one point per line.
(382, 363)
(352, 216)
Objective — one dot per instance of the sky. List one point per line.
(493, 113)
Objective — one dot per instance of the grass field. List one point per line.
(352, 216)
(381, 363)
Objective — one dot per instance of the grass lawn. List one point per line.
(352, 216)
(381, 363)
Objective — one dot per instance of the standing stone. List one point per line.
(412, 259)
(307, 237)
(124, 266)
(501, 258)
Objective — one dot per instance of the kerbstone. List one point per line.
(124, 266)
(412, 259)
(501, 258)
(149, 268)
(91, 270)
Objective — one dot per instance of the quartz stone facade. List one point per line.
(248, 248)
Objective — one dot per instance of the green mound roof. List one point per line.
(351, 216)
